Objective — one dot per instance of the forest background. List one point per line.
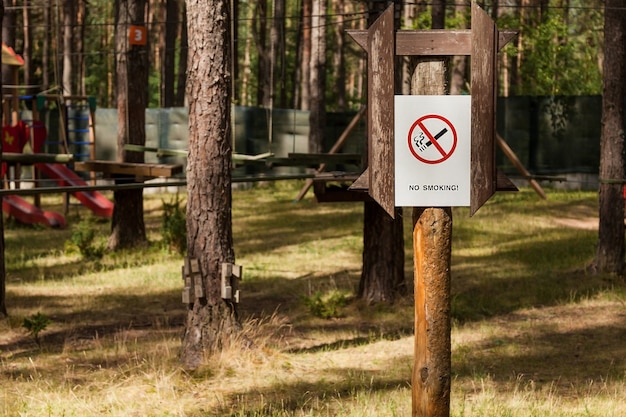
(288, 49)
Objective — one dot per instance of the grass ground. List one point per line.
(534, 332)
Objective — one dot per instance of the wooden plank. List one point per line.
(335, 148)
(520, 167)
(160, 152)
(29, 158)
(328, 158)
(484, 82)
(437, 42)
(325, 193)
(380, 47)
(503, 183)
(362, 183)
(131, 169)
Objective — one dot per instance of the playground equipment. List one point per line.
(25, 212)
(14, 141)
(76, 131)
(65, 177)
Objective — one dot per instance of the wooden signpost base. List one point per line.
(432, 248)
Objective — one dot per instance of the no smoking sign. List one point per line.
(432, 150)
(428, 146)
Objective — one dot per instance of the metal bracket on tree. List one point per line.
(192, 276)
(231, 275)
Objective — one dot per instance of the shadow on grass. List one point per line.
(299, 224)
(526, 273)
(571, 359)
(355, 342)
(310, 397)
(161, 312)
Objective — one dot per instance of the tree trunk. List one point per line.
(81, 70)
(182, 62)
(45, 59)
(317, 117)
(458, 78)
(68, 45)
(438, 13)
(127, 225)
(234, 53)
(245, 98)
(338, 58)
(382, 275)
(3, 276)
(277, 47)
(169, 54)
(27, 53)
(9, 25)
(211, 321)
(305, 63)
(259, 29)
(610, 252)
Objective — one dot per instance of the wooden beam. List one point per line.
(380, 110)
(325, 158)
(339, 190)
(436, 42)
(127, 168)
(34, 158)
(520, 167)
(159, 151)
(484, 82)
(335, 148)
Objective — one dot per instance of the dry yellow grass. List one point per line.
(533, 334)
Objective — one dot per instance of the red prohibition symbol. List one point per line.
(432, 139)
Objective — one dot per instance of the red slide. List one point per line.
(26, 213)
(65, 177)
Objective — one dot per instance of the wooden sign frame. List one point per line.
(382, 42)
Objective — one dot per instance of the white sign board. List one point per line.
(432, 151)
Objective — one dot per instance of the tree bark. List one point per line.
(169, 54)
(382, 275)
(338, 58)
(458, 79)
(610, 251)
(438, 13)
(68, 45)
(211, 321)
(9, 25)
(259, 29)
(277, 55)
(127, 225)
(45, 52)
(3, 276)
(81, 70)
(317, 99)
(305, 63)
(27, 53)
(182, 62)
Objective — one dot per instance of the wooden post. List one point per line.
(432, 227)
(432, 251)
